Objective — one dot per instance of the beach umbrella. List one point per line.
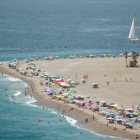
(119, 111)
(94, 84)
(82, 96)
(129, 123)
(118, 117)
(135, 125)
(137, 105)
(102, 101)
(65, 85)
(69, 91)
(65, 94)
(135, 118)
(48, 90)
(71, 82)
(112, 116)
(14, 65)
(125, 121)
(80, 102)
(111, 103)
(53, 91)
(136, 113)
(31, 64)
(74, 56)
(57, 56)
(102, 111)
(78, 95)
(119, 120)
(91, 55)
(97, 101)
(129, 109)
(109, 118)
(90, 104)
(101, 54)
(72, 99)
(85, 102)
(81, 56)
(59, 89)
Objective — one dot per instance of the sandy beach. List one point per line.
(120, 90)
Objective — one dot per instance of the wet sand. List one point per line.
(119, 91)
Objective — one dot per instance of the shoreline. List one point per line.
(94, 125)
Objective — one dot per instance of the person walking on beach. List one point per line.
(75, 75)
(25, 93)
(107, 82)
(93, 116)
(126, 79)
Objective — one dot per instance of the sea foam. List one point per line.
(14, 79)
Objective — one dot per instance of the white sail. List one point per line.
(132, 30)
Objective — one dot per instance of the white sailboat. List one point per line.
(132, 36)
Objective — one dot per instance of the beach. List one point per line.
(123, 88)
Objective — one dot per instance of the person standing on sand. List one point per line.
(75, 75)
(107, 82)
(25, 93)
(93, 116)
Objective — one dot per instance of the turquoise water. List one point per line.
(18, 117)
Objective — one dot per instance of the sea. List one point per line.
(41, 28)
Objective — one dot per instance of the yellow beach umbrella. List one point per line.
(102, 101)
(83, 96)
(91, 55)
(58, 96)
(19, 68)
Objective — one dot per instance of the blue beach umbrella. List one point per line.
(112, 116)
(69, 91)
(135, 118)
(118, 117)
(72, 99)
(135, 125)
(53, 91)
(103, 112)
(125, 121)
